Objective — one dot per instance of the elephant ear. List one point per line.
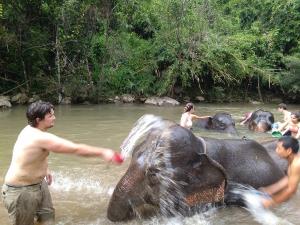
(207, 182)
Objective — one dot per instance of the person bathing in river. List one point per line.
(285, 188)
(246, 118)
(286, 116)
(25, 192)
(292, 127)
(188, 116)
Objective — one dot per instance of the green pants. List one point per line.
(25, 203)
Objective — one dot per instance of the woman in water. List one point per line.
(292, 127)
(188, 116)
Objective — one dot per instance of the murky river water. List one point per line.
(82, 186)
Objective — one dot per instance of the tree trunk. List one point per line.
(57, 62)
(25, 75)
(258, 90)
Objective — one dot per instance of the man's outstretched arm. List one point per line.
(56, 144)
(287, 192)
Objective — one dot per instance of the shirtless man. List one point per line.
(284, 189)
(283, 109)
(286, 116)
(25, 192)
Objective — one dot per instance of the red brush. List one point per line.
(117, 158)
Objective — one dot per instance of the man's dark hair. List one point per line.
(282, 106)
(290, 142)
(36, 110)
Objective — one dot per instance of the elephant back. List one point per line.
(245, 161)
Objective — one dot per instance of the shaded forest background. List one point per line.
(224, 50)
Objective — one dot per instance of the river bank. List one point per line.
(7, 101)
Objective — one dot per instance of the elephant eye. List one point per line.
(222, 125)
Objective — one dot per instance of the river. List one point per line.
(82, 186)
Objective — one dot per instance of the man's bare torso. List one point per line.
(29, 161)
(286, 116)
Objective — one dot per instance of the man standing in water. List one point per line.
(25, 191)
(284, 189)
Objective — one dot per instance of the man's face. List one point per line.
(294, 118)
(281, 151)
(48, 121)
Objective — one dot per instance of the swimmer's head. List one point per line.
(288, 142)
(295, 116)
(38, 110)
(188, 107)
(282, 106)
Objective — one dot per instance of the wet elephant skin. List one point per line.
(245, 161)
(220, 122)
(261, 121)
(270, 146)
(169, 175)
(174, 172)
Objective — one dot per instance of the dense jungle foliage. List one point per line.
(224, 50)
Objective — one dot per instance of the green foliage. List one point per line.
(289, 79)
(1, 10)
(129, 69)
(91, 50)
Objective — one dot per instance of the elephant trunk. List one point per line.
(119, 208)
(123, 200)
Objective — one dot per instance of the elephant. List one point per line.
(174, 172)
(261, 121)
(270, 146)
(221, 122)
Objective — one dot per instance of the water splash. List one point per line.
(65, 183)
(253, 200)
(140, 130)
(157, 155)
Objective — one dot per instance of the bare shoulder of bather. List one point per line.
(294, 171)
(30, 157)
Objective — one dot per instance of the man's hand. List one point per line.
(118, 158)
(267, 203)
(48, 178)
(112, 156)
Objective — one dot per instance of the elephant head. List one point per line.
(222, 122)
(261, 121)
(169, 174)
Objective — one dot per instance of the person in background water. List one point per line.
(285, 188)
(25, 192)
(283, 109)
(292, 127)
(286, 116)
(246, 118)
(188, 116)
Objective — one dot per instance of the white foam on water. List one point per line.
(198, 219)
(65, 183)
(253, 200)
(140, 129)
